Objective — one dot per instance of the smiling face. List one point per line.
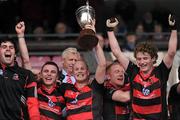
(144, 62)
(146, 56)
(7, 53)
(116, 74)
(49, 74)
(81, 72)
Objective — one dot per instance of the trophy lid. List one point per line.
(85, 14)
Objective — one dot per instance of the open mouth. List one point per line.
(48, 79)
(7, 56)
(80, 75)
(120, 79)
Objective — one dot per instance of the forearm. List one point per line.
(101, 68)
(116, 50)
(24, 52)
(172, 46)
(121, 96)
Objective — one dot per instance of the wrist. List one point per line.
(110, 29)
(173, 27)
(20, 35)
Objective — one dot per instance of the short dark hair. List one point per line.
(51, 63)
(9, 39)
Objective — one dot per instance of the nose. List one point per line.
(73, 62)
(48, 73)
(8, 48)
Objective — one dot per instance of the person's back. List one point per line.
(174, 100)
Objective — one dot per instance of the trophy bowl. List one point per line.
(85, 16)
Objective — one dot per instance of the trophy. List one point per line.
(85, 15)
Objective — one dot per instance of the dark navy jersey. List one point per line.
(17, 86)
(113, 110)
(174, 103)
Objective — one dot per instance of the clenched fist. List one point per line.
(111, 23)
(172, 22)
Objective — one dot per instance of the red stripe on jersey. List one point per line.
(80, 103)
(54, 109)
(121, 110)
(154, 94)
(148, 82)
(147, 109)
(81, 116)
(60, 98)
(33, 84)
(138, 119)
(45, 118)
(71, 94)
(33, 108)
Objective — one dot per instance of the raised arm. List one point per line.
(172, 45)
(101, 67)
(20, 29)
(115, 48)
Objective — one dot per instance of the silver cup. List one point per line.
(85, 16)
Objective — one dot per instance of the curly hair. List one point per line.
(146, 47)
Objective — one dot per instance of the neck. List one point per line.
(116, 86)
(147, 73)
(49, 86)
(81, 84)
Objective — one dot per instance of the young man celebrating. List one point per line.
(17, 85)
(148, 82)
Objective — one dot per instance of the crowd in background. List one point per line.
(44, 16)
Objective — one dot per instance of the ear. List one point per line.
(108, 76)
(88, 73)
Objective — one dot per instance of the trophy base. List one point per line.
(87, 39)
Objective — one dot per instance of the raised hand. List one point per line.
(20, 29)
(172, 22)
(111, 23)
(91, 25)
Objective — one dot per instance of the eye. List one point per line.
(11, 47)
(45, 71)
(3, 46)
(53, 71)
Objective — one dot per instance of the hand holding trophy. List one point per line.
(85, 16)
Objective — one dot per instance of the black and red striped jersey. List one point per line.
(113, 110)
(17, 88)
(51, 103)
(149, 92)
(83, 103)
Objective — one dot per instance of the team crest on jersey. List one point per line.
(146, 91)
(74, 101)
(51, 103)
(1, 72)
(15, 76)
